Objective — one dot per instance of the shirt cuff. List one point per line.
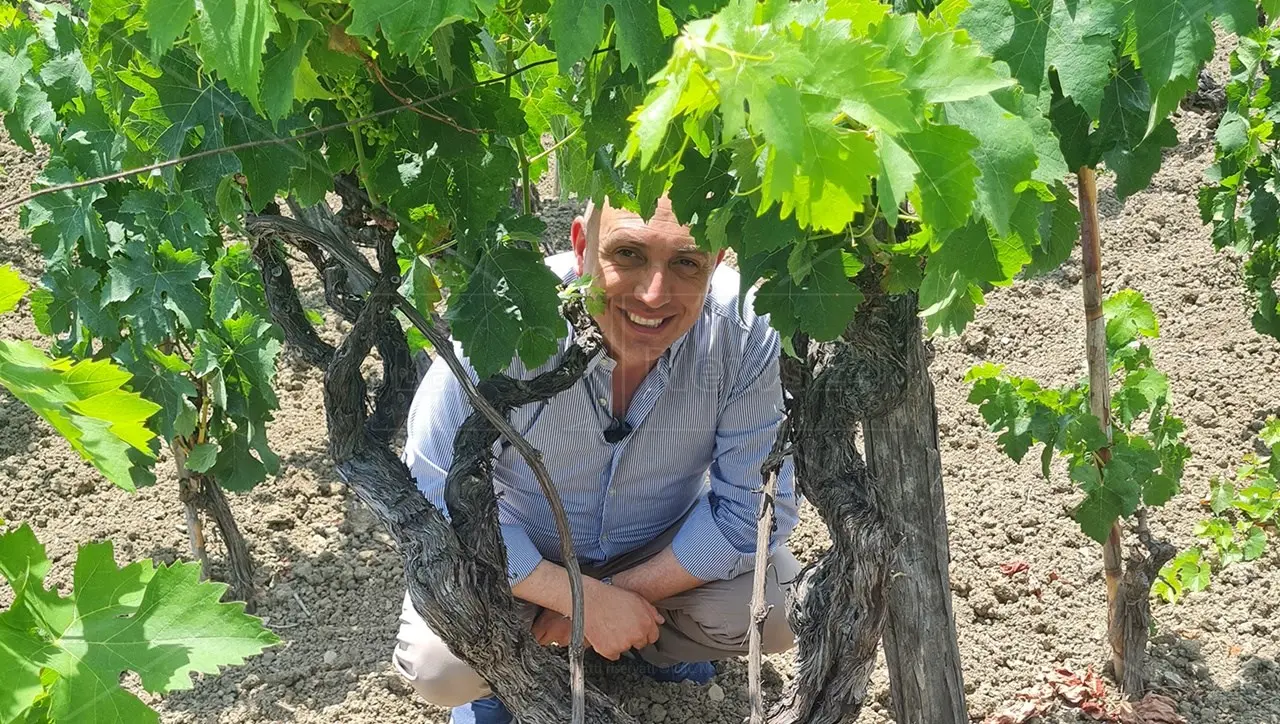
(704, 551)
(522, 554)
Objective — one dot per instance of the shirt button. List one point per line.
(603, 401)
(604, 538)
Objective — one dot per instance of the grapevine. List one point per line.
(1241, 199)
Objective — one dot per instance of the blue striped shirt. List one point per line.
(703, 421)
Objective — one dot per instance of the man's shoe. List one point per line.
(699, 672)
(482, 711)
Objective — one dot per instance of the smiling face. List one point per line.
(654, 278)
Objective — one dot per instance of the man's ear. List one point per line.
(578, 237)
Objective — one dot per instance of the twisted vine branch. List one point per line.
(322, 232)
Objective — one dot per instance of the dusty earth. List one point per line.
(330, 581)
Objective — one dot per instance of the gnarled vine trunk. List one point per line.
(876, 375)
(455, 569)
(202, 494)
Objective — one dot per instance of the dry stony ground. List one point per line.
(330, 581)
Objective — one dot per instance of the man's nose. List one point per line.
(652, 289)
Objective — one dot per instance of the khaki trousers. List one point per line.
(705, 624)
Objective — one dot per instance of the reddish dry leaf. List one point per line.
(1096, 711)
(1157, 709)
(1013, 567)
(1017, 714)
(1234, 650)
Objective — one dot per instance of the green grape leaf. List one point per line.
(1255, 544)
(243, 352)
(824, 186)
(71, 213)
(233, 37)
(1186, 572)
(1099, 509)
(32, 116)
(1221, 494)
(87, 403)
(267, 169)
(1174, 40)
(897, 176)
(577, 27)
(162, 623)
(150, 284)
(948, 68)
(13, 68)
(701, 186)
(202, 457)
(1135, 167)
(1034, 36)
(163, 379)
(236, 285)
(853, 71)
(509, 306)
(1159, 489)
(69, 295)
(407, 26)
(967, 260)
(176, 217)
(1233, 132)
(12, 289)
(946, 176)
(1131, 145)
(1270, 433)
(1058, 233)
(1141, 391)
(822, 305)
(166, 20)
(1129, 318)
(1005, 155)
(237, 467)
(281, 70)
(65, 78)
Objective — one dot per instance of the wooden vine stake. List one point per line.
(1128, 588)
(1099, 383)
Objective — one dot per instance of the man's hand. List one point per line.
(552, 629)
(616, 620)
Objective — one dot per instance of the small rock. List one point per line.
(279, 521)
(657, 713)
(252, 681)
(715, 693)
(330, 657)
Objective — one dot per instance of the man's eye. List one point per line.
(689, 264)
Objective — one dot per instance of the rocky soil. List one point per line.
(330, 581)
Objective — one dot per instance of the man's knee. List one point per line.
(778, 636)
(428, 665)
(722, 612)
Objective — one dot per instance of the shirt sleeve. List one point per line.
(718, 539)
(439, 409)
